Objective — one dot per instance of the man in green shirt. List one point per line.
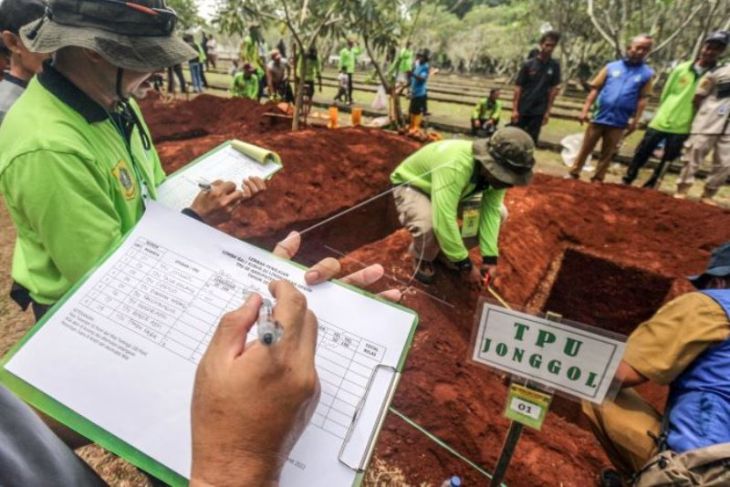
(309, 69)
(402, 66)
(348, 60)
(433, 182)
(673, 120)
(486, 114)
(245, 84)
(77, 161)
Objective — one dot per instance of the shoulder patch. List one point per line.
(125, 178)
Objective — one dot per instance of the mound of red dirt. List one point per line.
(207, 114)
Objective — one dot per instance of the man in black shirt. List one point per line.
(537, 86)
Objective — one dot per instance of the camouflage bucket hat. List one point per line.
(135, 35)
(509, 155)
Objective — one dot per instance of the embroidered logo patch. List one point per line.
(126, 180)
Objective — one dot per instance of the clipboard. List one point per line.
(233, 160)
(98, 434)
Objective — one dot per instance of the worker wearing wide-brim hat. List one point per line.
(77, 161)
(435, 181)
(686, 346)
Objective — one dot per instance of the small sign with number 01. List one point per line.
(527, 406)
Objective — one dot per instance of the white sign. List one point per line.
(556, 355)
(527, 408)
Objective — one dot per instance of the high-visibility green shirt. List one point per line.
(69, 183)
(676, 111)
(446, 171)
(202, 57)
(348, 59)
(245, 88)
(482, 111)
(313, 71)
(249, 53)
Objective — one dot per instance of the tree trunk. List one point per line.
(299, 87)
(397, 119)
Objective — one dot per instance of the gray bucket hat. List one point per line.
(135, 35)
(509, 155)
(719, 266)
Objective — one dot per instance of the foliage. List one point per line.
(187, 13)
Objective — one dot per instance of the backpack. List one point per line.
(709, 466)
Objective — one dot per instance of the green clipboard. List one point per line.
(121, 448)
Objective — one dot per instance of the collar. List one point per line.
(15, 80)
(63, 89)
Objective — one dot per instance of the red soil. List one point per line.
(605, 255)
(207, 114)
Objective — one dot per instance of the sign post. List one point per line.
(544, 354)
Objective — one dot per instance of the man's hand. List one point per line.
(546, 119)
(583, 118)
(631, 127)
(215, 206)
(515, 116)
(251, 402)
(329, 267)
(473, 277)
(251, 187)
(488, 272)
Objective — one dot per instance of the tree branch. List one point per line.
(592, 14)
(679, 30)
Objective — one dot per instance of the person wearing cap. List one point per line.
(710, 132)
(486, 114)
(278, 72)
(419, 88)
(536, 87)
(686, 346)
(347, 63)
(621, 91)
(245, 84)
(23, 63)
(433, 182)
(77, 162)
(673, 119)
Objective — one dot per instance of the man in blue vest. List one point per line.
(621, 90)
(685, 345)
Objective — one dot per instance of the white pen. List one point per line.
(269, 330)
(204, 186)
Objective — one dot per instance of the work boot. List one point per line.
(707, 197)
(424, 271)
(650, 183)
(609, 477)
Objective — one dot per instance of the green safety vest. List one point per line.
(483, 112)
(71, 188)
(676, 111)
(245, 88)
(443, 170)
(348, 59)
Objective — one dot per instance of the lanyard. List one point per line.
(141, 181)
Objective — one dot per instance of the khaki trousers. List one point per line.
(415, 214)
(624, 427)
(610, 137)
(696, 150)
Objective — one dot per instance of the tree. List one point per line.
(187, 13)
(305, 20)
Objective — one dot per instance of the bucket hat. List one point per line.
(509, 155)
(719, 266)
(719, 36)
(135, 35)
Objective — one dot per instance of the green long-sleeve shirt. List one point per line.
(445, 171)
(402, 63)
(243, 87)
(313, 71)
(348, 59)
(482, 110)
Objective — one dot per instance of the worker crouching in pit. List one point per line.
(685, 345)
(433, 182)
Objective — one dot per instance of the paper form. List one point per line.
(123, 349)
(227, 164)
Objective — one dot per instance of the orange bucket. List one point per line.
(356, 116)
(334, 118)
